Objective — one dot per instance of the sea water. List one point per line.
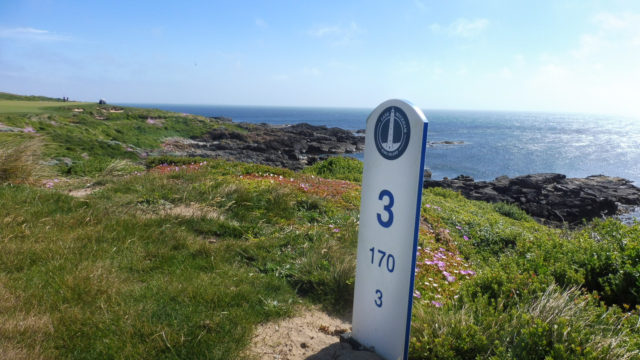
(485, 144)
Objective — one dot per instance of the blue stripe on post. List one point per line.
(415, 239)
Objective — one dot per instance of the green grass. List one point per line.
(186, 260)
(8, 96)
(86, 142)
(124, 273)
(32, 107)
(340, 167)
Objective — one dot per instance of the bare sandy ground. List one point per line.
(313, 335)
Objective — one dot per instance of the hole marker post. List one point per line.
(395, 145)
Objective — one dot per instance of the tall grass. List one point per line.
(20, 160)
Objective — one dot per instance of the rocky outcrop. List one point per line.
(291, 146)
(551, 198)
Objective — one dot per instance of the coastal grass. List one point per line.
(121, 256)
(185, 262)
(20, 160)
(163, 265)
(83, 138)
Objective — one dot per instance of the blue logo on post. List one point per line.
(392, 133)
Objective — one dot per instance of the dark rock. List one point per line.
(551, 197)
(290, 146)
(446, 142)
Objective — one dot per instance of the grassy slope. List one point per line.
(94, 137)
(185, 262)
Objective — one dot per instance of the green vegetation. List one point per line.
(120, 256)
(342, 168)
(8, 96)
(83, 139)
(20, 160)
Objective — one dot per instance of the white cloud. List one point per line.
(28, 33)
(337, 34)
(467, 28)
(611, 21)
(462, 27)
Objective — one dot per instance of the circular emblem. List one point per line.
(392, 133)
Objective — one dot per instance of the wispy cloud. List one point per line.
(337, 34)
(612, 32)
(462, 27)
(28, 33)
(261, 23)
(611, 21)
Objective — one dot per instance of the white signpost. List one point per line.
(395, 144)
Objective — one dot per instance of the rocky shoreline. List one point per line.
(551, 198)
(289, 146)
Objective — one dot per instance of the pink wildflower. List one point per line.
(417, 294)
(436, 304)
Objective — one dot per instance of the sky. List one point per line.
(547, 55)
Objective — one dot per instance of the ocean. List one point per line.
(488, 144)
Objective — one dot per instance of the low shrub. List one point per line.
(556, 324)
(339, 167)
(154, 161)
(609, 253)
(511, 211)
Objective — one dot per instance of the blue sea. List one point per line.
(492, 143)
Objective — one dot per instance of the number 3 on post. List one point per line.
(378, 299)
(387, 208)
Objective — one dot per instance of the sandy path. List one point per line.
(313, 335)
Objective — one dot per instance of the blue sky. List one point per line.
(577, 56)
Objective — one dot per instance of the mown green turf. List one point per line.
(32, 107)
